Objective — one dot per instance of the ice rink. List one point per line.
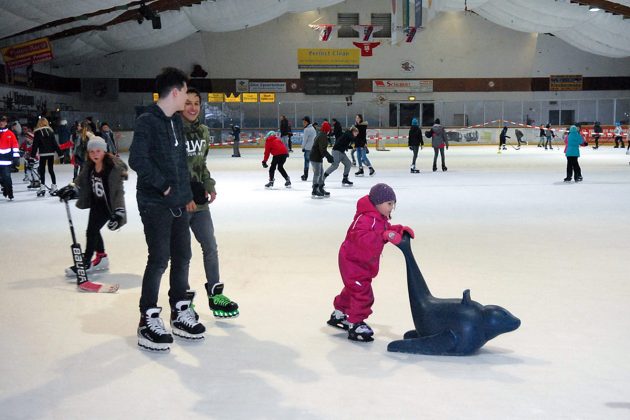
(505, 226)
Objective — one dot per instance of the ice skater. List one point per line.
(204, 193)
(99, 187)
(549, 136)
(438, 142)
(343, 143)
(46, 146)
(359, 258)
(318, 153)
(597, 132)
(9, 150)
(618, 133)
(360, 143)
(236, 140)
(276, 148)
(572, 151)
(502, 139)
(415, 142)
(308, 137)
(519, 138)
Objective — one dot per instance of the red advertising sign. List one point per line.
(26, 53)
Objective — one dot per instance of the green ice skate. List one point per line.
(220, 305)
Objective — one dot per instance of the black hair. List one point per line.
(360, 117)
(307, 119)
(104, 123)
(168, 79)
(194, 91)
(437, 121)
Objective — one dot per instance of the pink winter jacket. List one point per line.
(360, 252)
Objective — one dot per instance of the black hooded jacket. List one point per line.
(158, 155)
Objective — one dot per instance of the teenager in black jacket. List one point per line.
(414, 142)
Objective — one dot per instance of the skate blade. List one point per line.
(361, 338)
(92, 287)
(340, 325)
(225, 315)
(187, 336)
(153, 347)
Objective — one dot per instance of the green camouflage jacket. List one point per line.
(197, 146)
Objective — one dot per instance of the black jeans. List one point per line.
(167, 234)
(99, 216)
(278, 161)
(439, 150)
(573, 166)
(42, 168)
(414, 149)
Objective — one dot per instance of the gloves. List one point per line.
(116, 220)
(410, 148)
(303, 150)
(67, 193)
(408, 230)
(264, 164)
(392, 236)
(330, 159)
(199, 192)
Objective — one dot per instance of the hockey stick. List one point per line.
(83, 283)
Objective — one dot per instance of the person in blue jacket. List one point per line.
(572, 151)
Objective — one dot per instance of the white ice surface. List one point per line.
(505, 226)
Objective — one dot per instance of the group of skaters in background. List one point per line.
(40, 146)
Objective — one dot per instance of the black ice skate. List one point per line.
(360, 332)
(151, 332)
(372, 171)
(287, 184)
(269, 185)
(339, 320)
(325, 193)
(316, 192)
(184, 319)
(346, 183)
(414, 170)
(567, 179)
(578, 179)
(221, 305)
(359, 172)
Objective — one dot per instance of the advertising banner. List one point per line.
(402, 86)
(328, 58)
(27, 53)
(565, 82)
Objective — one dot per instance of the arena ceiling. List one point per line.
(81, 29)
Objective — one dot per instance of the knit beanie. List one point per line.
(381, 193)
(414, 121)
(270, 133)
(96, 143)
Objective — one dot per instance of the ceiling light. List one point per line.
(411, 98)
(594, 9)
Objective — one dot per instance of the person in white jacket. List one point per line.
(619, 136)
(308, 140)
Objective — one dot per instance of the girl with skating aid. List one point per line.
(100, 189)
(359, 258)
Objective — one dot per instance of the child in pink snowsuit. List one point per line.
(359, 258)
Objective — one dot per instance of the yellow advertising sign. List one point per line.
(268, 97)
(250, 97)
(232, 98)
(155, 97)
(215, 97)
(565, 82)
(328, 58)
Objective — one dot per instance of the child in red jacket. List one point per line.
(359, 258)
(280, 153)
